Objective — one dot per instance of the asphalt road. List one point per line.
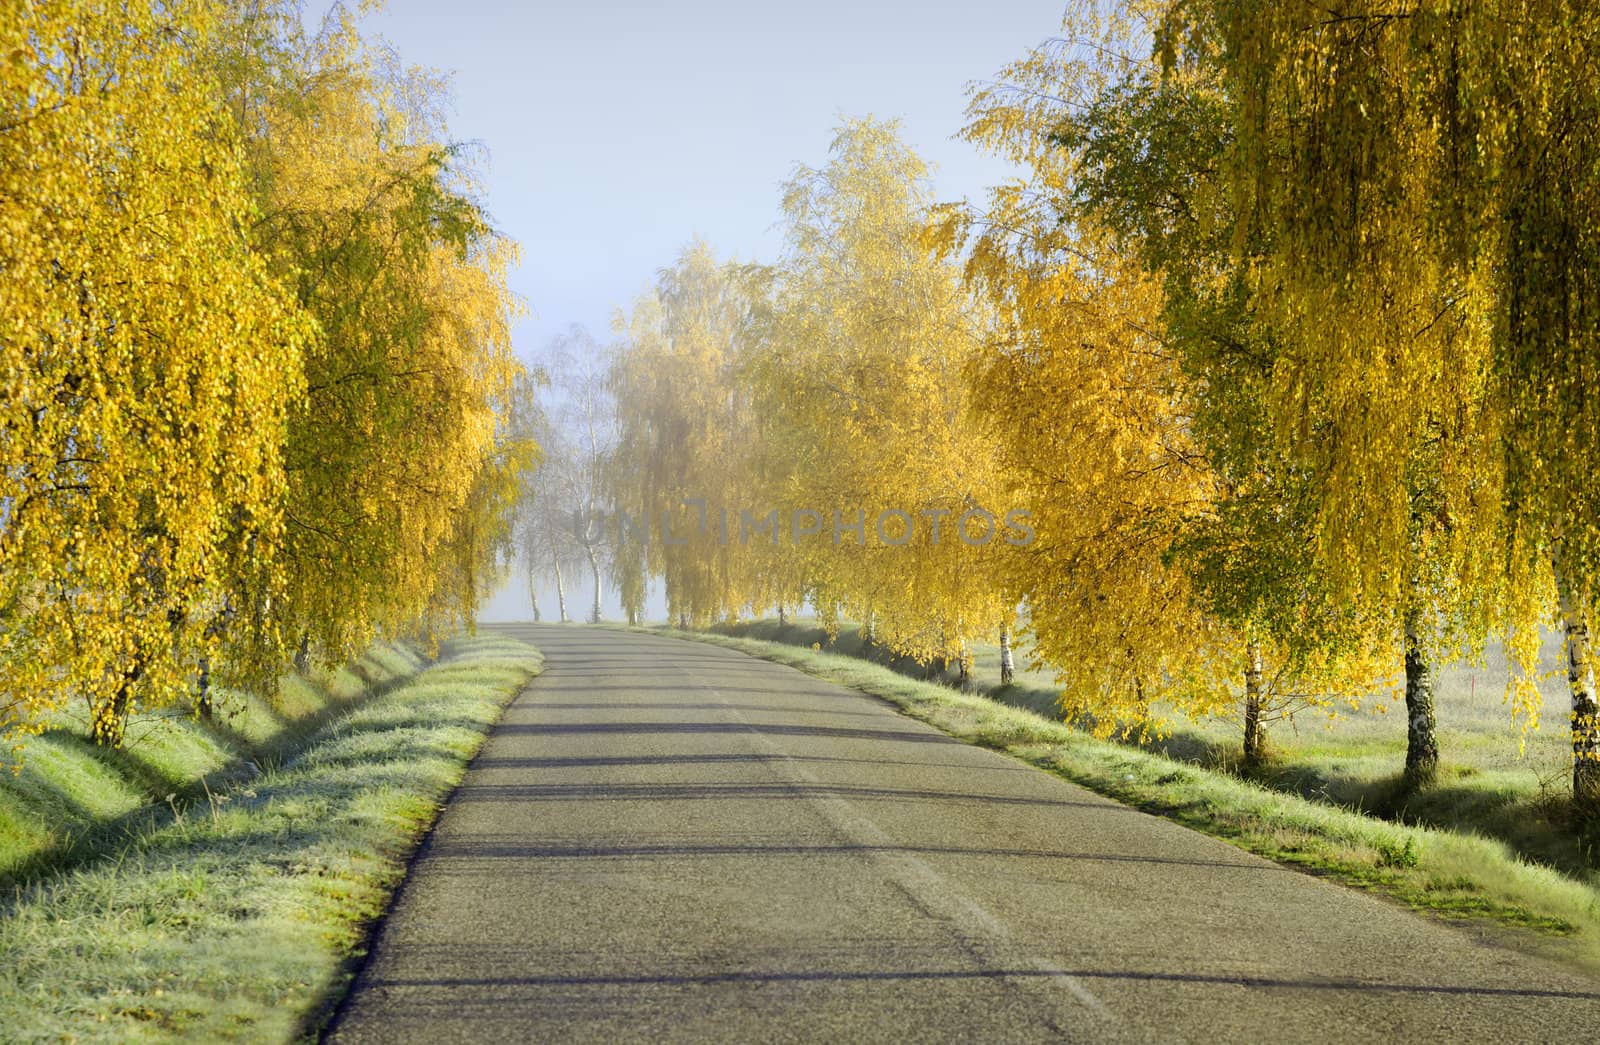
(667, 841)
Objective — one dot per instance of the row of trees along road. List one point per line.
(255, 343)
(1285, 337)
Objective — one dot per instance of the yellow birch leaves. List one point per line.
(815, 413)
(368, 215)
(172, 328)
(149, 362)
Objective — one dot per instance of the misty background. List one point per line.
(617, 133)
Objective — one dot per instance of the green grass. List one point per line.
(240, 916)
(1448, 872)
(66, 799)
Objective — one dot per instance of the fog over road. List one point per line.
(664, 840)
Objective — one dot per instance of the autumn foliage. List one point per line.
(1283, 339)
(1267, 383)
(255, 337)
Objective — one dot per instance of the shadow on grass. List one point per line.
(80, 834)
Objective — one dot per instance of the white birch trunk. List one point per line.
(533, 590)
(561, 592)
(1422, 742)
(594, 568)
(1580, 683)
(1007, 667)
(1254, 739)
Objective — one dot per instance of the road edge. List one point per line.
(1424, 870)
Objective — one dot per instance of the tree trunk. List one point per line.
(1422, 743)
(1580, 681)
(561, 591)
(204, 706)
(110, 723)
(533, 591)
(1007, 668)
(1254, 734)
(302, 655)
(683, 621)
(111, 720)
(594, 568)
(869, 633)
(202, 697)
(964, 663)
(782, 618)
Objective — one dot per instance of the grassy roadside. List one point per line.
(240, 918)
(1455, 875)
(68, 800)
(1489, 783)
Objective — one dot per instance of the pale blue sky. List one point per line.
(618, 132)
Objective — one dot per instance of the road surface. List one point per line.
(668, 841)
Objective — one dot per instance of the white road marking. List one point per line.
(987, 936)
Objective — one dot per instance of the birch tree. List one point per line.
(151, 362)
(687, 438)
(584, 411)
(861, 379)
(1426, 174)
(368, 213)
(1177, 510)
